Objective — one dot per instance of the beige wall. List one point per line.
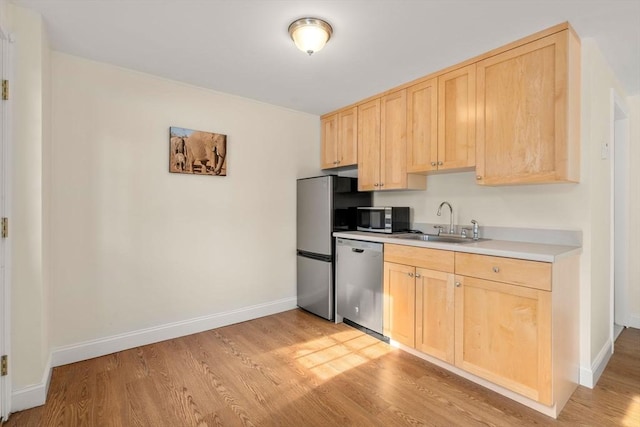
(599, 80)
(28, 346)
(583, 206)
(634, 209)
(134, 246)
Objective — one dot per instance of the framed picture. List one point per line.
(197, 152)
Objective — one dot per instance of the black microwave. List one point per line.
(383, 219)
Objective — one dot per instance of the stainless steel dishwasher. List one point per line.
(359, 282)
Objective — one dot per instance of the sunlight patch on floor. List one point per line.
(632, 417)
(332, 355)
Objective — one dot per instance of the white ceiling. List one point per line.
(242, 47)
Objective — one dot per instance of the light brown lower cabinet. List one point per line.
(503, 334)
(511, 322)
(419, 299)
(399, 303)
(435, 313)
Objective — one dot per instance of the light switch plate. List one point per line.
(604, 150)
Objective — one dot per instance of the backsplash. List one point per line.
(500, 211)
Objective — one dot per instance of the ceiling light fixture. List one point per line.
(310, 34)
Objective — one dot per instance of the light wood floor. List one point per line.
(294, 369)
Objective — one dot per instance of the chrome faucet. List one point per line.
(451, 229)
(475, 229)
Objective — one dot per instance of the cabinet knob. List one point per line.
(410, 274)
(458, 284)
(382, 184)
(433, 163)
(337, 162)
(496, 269)
(418, 275)
(376, 184)
(478, 177)
(440, 163)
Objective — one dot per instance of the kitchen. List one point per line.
(475, 315)
(118, 300)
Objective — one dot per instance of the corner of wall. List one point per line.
(589, 376)
(33, 395)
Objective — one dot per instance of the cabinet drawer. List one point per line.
(432, 259)
(532, 274)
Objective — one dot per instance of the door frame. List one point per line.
(5, 210)
(619, 120)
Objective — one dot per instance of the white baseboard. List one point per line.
(35, 395)
(589, 377)
(103, 346)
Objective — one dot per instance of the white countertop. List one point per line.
(502, 248)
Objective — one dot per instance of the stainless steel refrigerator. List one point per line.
(324, 204)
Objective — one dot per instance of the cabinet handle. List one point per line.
(410, 274)
(433, 163)
(478, 177)
(440, 163)
(458, 284)
(496, 269)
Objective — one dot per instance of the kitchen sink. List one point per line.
(437, 238)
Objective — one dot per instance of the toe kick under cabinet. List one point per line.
(510, 322)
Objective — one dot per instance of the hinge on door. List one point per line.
(4, 365)
(5, 227)
(5, 90)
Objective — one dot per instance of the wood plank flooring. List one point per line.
(294, 369)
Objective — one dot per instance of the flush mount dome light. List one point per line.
(310, 34)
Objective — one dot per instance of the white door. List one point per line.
(620, 216)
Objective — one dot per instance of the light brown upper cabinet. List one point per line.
(340, 139)
(382, 161)
(441, 115)
(329, 141)
(369, 145)
(422, 127)
(512, 113)
(528, 104)
(457, 118)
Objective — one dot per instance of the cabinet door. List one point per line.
(399, 303)
(457, 118)
(422, 127)
(393, 135)
(369, 145)
(329, 142)
(522, 115)
(347, 150)
(503, 334)
(435, 313)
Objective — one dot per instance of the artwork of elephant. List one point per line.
(197, 152)
(208, 149)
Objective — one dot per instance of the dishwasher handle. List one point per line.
(357, 250)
